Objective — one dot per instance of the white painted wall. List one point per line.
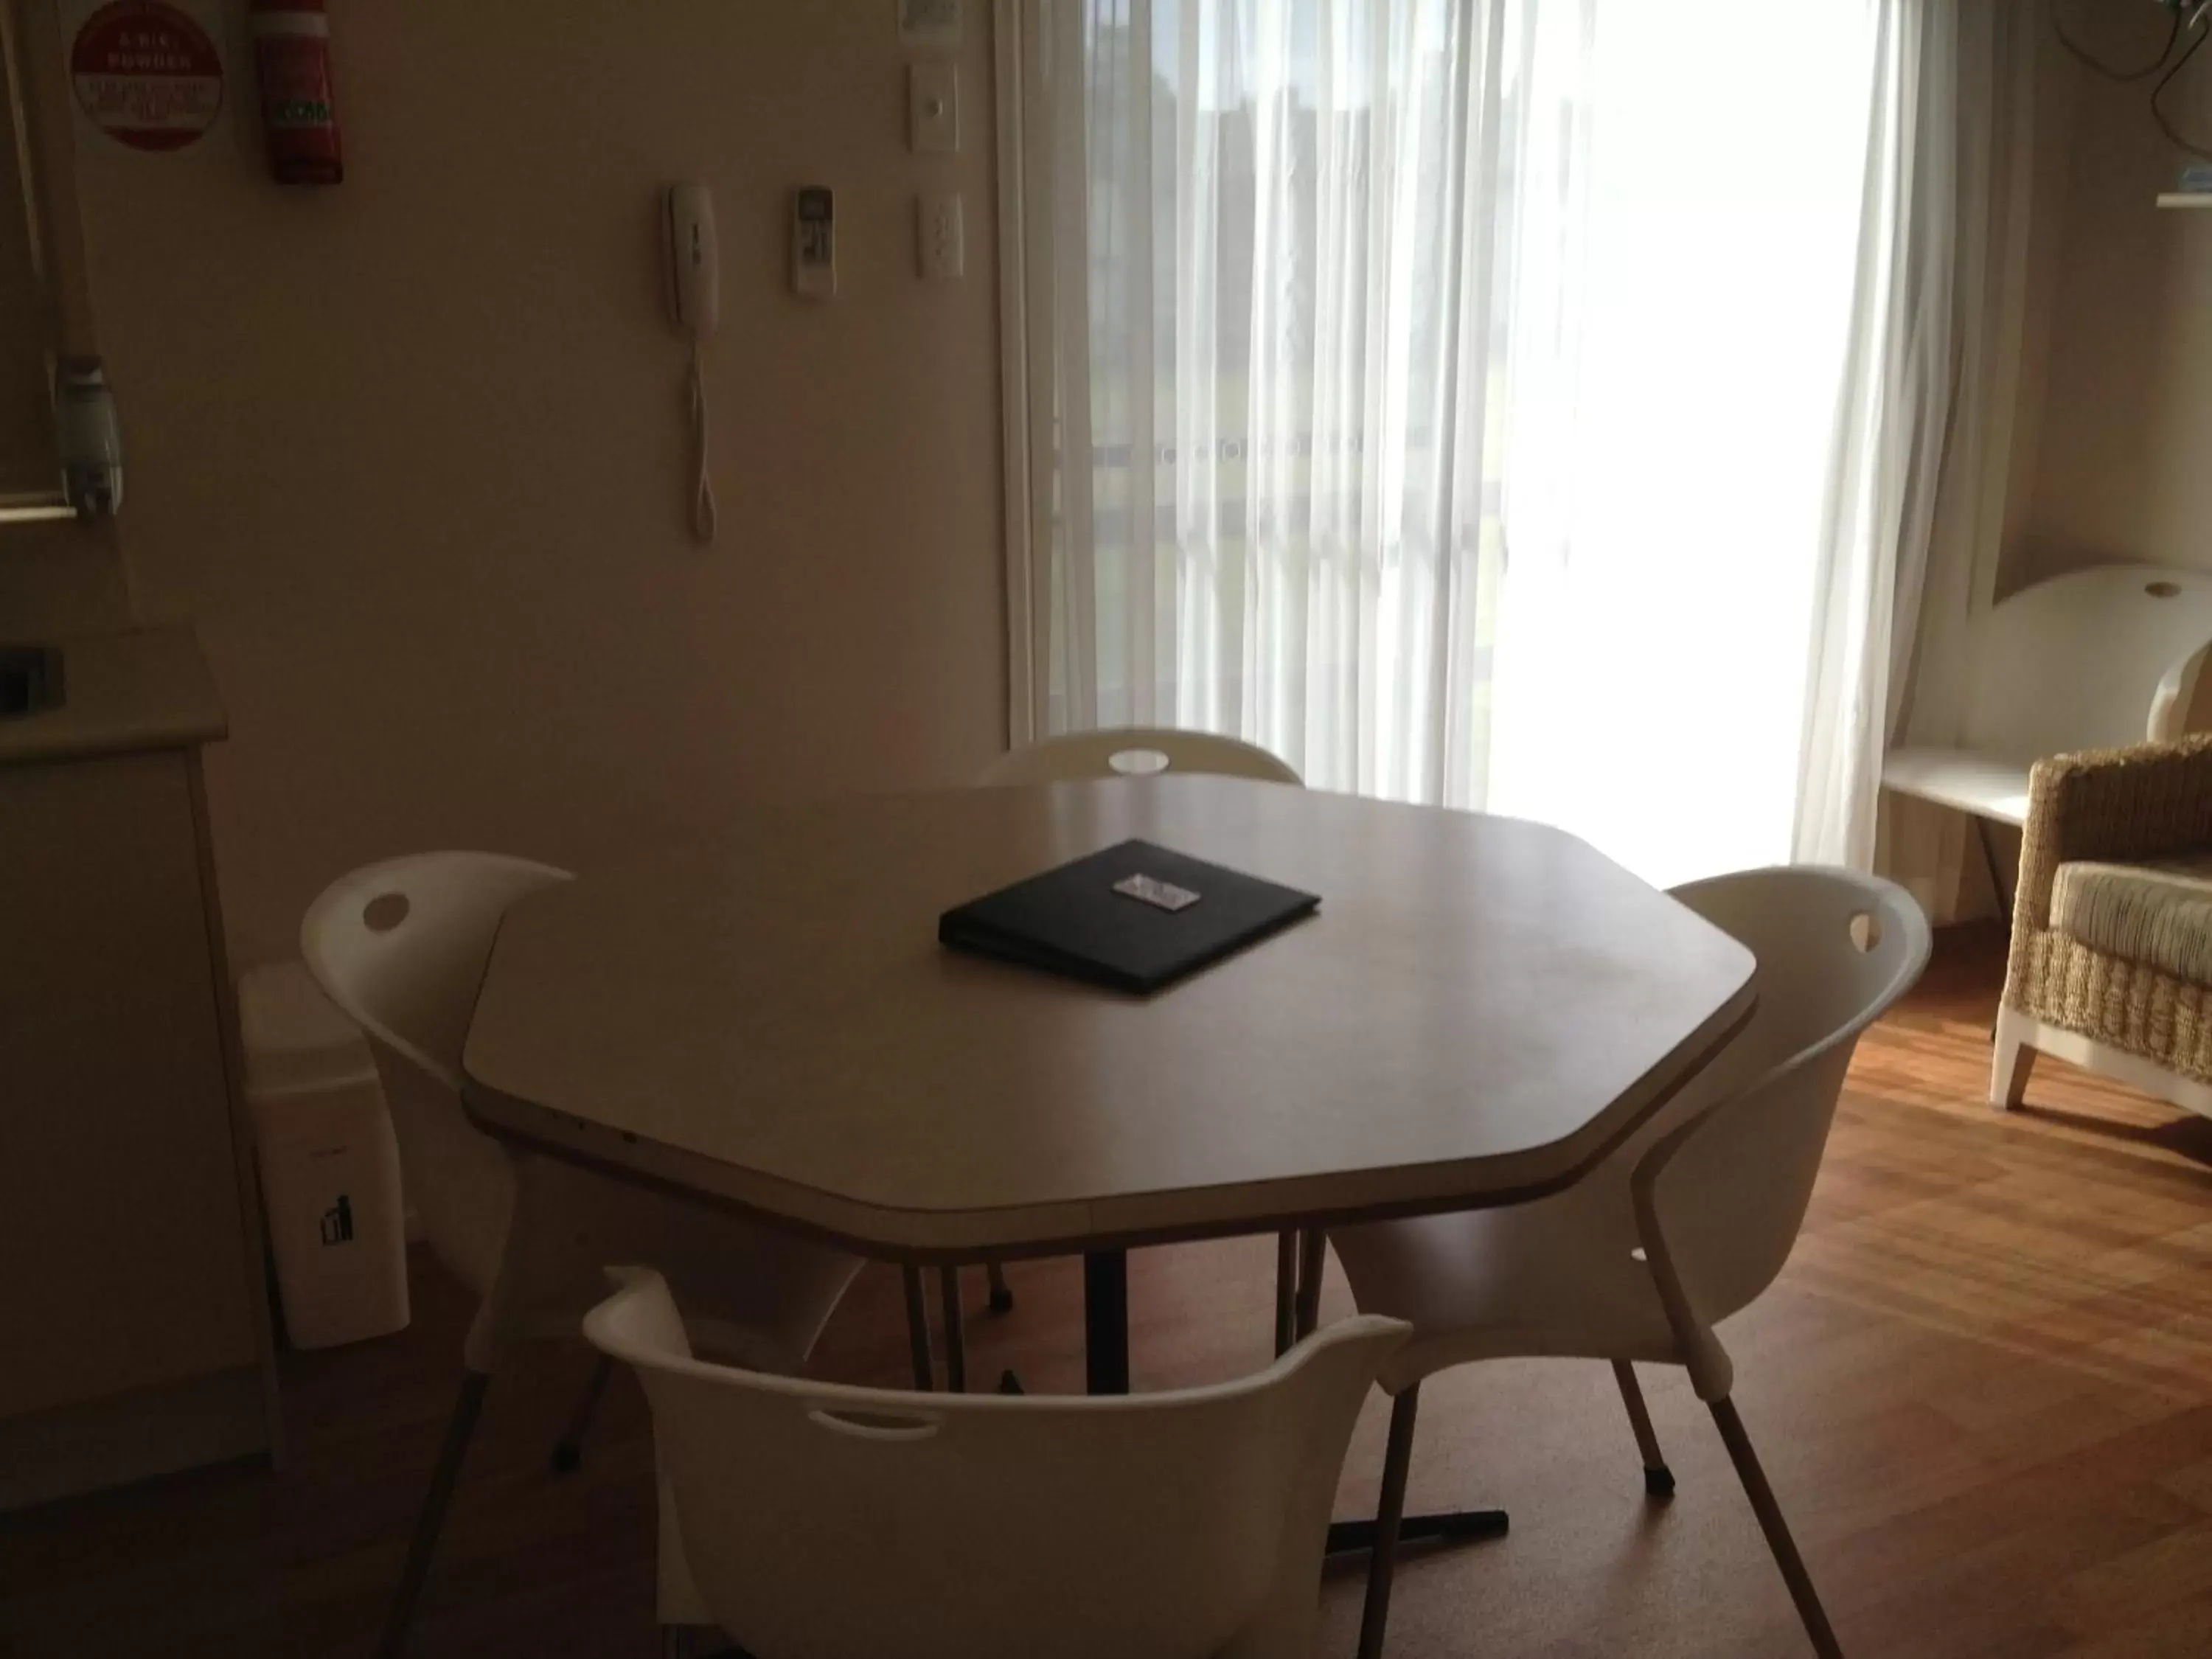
(2121, 468)
(411, 452)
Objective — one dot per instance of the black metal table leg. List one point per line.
(917, 1330)
(1313, 1262)
(1106, 1365)
(1106, 1321)
(1286, 1292)
(955, 1331)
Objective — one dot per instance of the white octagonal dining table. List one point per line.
(1480, 1010)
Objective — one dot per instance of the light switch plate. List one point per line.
(929, 22)
(814, 242)
(941, 250)
(932, 108)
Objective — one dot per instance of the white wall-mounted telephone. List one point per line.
(694, 299)
(694, 263)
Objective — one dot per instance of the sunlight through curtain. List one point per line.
(1441, 392)
(1654, 640)
(1318, 245)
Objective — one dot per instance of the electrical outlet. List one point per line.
(941, 246)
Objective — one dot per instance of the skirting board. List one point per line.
(113, 1442)
(2018, 1033)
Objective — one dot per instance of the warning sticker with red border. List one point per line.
(147, 74)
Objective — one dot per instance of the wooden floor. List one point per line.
(1982, 1390)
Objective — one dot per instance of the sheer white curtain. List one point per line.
(1925, 436)
(1653, 638)
(1443, 392)
(1307, 265)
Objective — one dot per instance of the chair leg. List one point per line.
(2012, 1057)
(1313, 1259)
(1286, 1292)
(1002, 1294)
(692, 1642)
(1382, 1560)
(956, 1335)
(1776, 1530)
(1658, 1479)
(2003, 899)
(917, 1330)
(435, 1502)
(569, 1449)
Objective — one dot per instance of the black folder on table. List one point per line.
(1135, 917)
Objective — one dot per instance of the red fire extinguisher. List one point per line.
(292, 50)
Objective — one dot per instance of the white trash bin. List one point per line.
(330, 1166)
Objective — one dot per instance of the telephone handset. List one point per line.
(693, 264)
(696, 301)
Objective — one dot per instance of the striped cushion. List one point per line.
(2159, 914)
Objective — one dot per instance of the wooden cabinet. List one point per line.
(134, 1326)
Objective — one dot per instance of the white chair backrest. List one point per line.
(1729, 1187)
(2095, 659)
(401, 946)
(829, 1522)
(1136, 751)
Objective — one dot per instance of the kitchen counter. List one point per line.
(122, 694)
(135, 1331)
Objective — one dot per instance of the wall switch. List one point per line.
(814, 242)
(932, 108)
(929, 23)
(943, 243)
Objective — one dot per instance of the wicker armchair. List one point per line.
(2112, 940)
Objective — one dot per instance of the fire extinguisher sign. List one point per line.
(147, 74)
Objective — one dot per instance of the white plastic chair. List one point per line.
(402, 947)
(1136, 751)
(1122, 751)
(1685, 1225)
(831, 1522)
